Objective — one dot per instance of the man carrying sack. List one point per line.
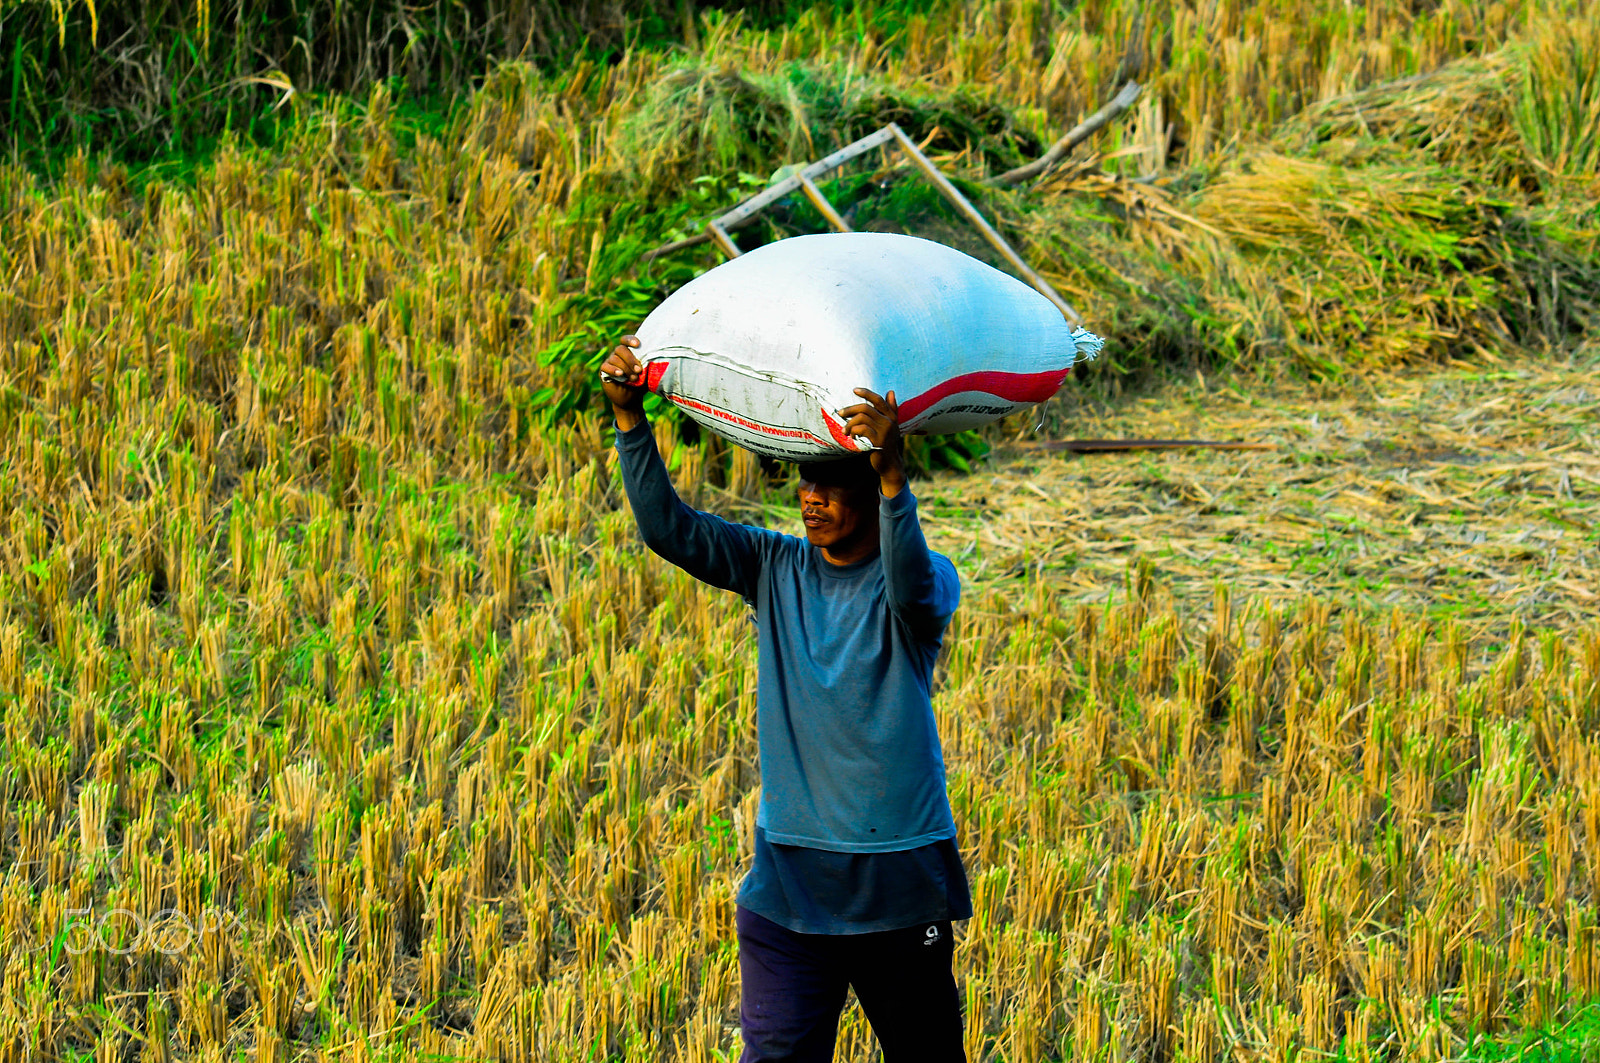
(856, 876)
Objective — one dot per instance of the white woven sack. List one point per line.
(767, 348)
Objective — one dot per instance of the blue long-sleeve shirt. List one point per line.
(850, 757)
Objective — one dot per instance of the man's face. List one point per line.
(833, 515)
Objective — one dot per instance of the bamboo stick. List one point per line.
(979, 222)
(820, 201)
(1075, 136)
(1115, 446)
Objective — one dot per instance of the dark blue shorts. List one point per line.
(792, 989)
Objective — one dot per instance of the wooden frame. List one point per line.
(718, 229)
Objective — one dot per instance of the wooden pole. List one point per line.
(745, 212)
(825, 208)
(719, 230)
(1117, 446)
(1075, 136)
(979, 222)
(720, 237)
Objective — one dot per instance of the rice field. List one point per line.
(1468, 494)
(345, 717)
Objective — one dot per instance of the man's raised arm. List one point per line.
(922, 587)
(709, 548)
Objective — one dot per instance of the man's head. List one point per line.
(839, 504)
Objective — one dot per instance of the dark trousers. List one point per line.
(792, 988)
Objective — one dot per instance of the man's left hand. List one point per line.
(877, 420)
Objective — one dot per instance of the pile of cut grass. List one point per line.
(1402, 222)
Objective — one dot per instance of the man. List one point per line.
(856, 876)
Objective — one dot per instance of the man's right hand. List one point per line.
(627, 399)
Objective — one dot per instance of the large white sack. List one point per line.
(767, 348)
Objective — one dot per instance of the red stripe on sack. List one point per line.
(836, 429)
(653, 374)
(744, 422)
(1013, 387)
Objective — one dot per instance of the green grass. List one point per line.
(1574, 1041)
(147, 81)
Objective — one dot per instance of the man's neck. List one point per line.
(857, 548)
